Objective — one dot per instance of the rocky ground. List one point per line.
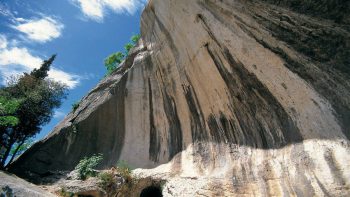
(106, 183)
(13, 186)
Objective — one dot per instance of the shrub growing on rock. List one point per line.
(109, 182)
(86, 165)
(76, 105)
(107, 179)
(64, 193)
(124, 170)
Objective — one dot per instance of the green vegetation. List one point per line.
(108, 180)
(75, 105)
(124, 170)
(128, 47)
(26, 103)
(64, 193)
(8, 108)
(135, 38)
(86, 165)
(112, 61)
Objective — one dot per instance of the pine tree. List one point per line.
(42, 72)
(38, 98)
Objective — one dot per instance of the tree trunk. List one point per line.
(15, 153)
(3, 159)
(8, 149)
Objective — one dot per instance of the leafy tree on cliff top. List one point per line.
(112, 61)
(32, 98)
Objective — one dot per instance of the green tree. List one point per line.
(8, 119)
(112, 62)
(8, 108)
(135, 38)
(42, 72)
(128, 47)
(75, 105)
(37, 97)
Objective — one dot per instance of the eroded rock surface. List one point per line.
(12, 186)
(234, 97)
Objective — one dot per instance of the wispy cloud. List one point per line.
(5, 11)
(59, 114)
(96, 9)
(3, 42)
(19, 56)
(39, 30)
(15, 60)
(71, 80)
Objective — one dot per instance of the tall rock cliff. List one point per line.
(234, 97)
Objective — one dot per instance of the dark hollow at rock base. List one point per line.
(151, 191)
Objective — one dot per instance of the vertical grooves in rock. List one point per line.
(154, 143)
(174, 132)
(198, 129)
(323, 76)
(251, 93)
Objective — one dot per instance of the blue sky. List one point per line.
(81, 32)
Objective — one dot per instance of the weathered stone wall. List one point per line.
(235, 97)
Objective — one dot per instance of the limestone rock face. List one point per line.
(234, 97)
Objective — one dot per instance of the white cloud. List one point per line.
(96, 9)
(19, 56)
(15, 60)
(40, 30)
(3, 42)
(20, 20)
(91, 8)
(69, 79)
(59, 114)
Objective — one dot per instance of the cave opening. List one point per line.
(151, 191)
